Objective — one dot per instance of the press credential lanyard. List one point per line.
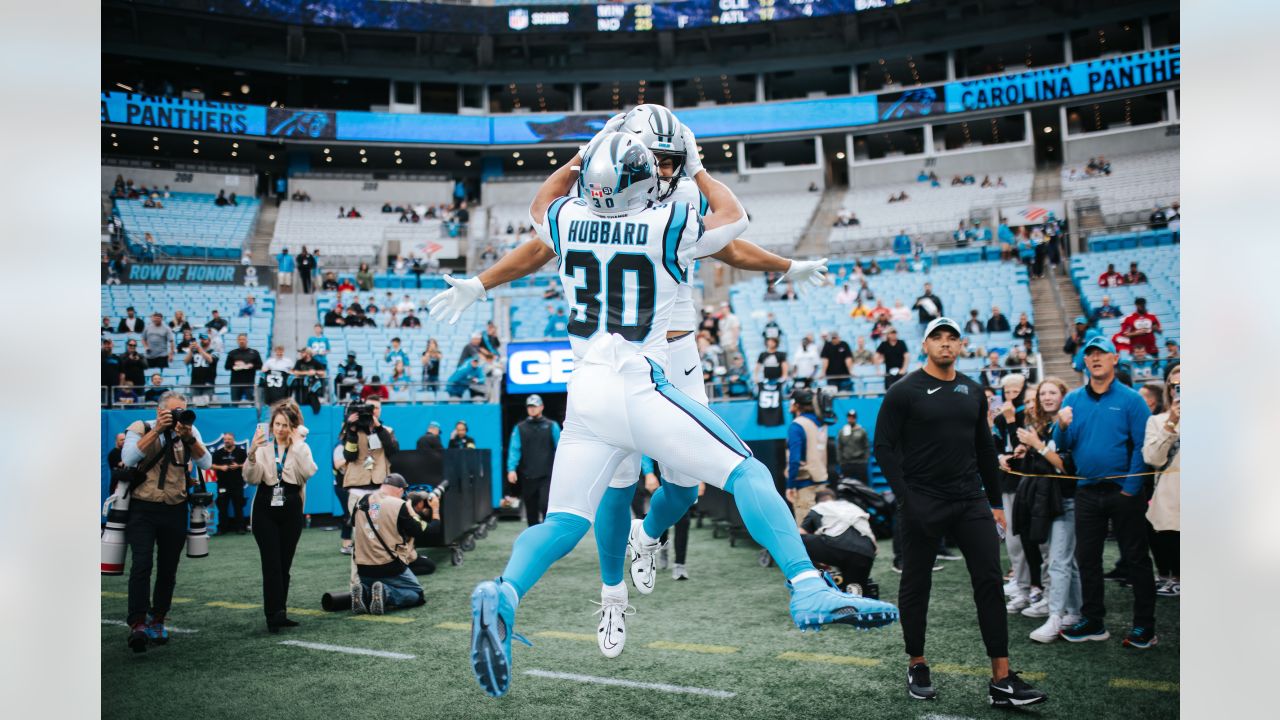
(277, 492)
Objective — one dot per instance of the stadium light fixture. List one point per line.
(361, 151)
(273, 103)
(271, 157)
(398, 161)
(244, 89)
(1048, 129)
(113, 135)
(551, 153)
(840, 156)
(235, 145)
(122, 86)
(728, 154)
(115, 144)
(364, 160)
(431, 154)
(326, 151)
(195, 151)
(466, 163)
(520, 162)
(397, 153)
(234, 153)
(515, 154)
(155, 139)
(155, 147)
(328, 158)
(553, 161)
(195, 142)
(434, 161)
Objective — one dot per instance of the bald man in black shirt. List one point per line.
(935, 448)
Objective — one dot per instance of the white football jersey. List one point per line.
(621, 274)
(685, 317)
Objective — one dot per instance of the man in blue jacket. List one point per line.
(1103, 425)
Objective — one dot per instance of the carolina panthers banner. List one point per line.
(1070, 81)
(251, 276)
(305, 124)
(182, 114)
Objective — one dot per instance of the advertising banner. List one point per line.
(178, 273)
(1032, 214)
(1062, 83)
(538, 367)
(180, 114)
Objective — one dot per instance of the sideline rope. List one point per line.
(1081, 477)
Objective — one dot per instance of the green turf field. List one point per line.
(726, 629)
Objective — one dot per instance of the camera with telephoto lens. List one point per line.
(198, 525)
(183, 416)
(364, 417)
(116, 508)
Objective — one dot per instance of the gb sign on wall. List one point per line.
(538, 367)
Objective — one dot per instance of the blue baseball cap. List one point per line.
(1100, 343)
(1081, 320)
(433, 424)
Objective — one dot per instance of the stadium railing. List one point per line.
(413, 393)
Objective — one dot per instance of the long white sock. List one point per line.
(619, 590)
(805, 576)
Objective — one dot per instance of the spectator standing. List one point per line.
(1081, 334)
(997, 322)
(471, 349)
(319, 345)
(306, 270)
(1024, 330)
(157, 342)
(394, 353)
(179, 322)
(364, 278)
(285, 265)
(974, 325)
(845, 296)
(861, 355)
(228, 463)
(431, 359)
(1158, 220)
(250, 307)
(280, 466)
(806, 359)
(530, 452)
(1135, 276)
(928, 306)
(112, 371)
(1161, 449)
(1140, 327)
(772, 329)
(244, 363)
(375, 390)
(902, 243)
(730, 329)
(853, 449)
(993, 372)
(410, 321)
(459, 439)
(130, 323)
(275, 376)
(155, 390)
(309, 380)
(771, 365)
(837, 362)
(557, 324)
(1047, 498)
(893, 354)
(216, 323)
(203, 361)
(1103, 426)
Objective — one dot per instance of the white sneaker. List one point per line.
(1048, 632)
(611, 633)
(1037, 609)
(1069, 620)
(1017, 603)
(664, 559)
(643, 570)
(678, 572)
(1011, 589)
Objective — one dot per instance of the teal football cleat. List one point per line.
(157, 633)
(815, 602)
(493, 616)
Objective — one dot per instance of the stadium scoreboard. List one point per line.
(646, 17)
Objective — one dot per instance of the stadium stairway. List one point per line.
(260, 244)
(1053, 298)
(295, 317)
(816, 241)
(1047, 184)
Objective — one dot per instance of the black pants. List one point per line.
(925, 520)
(159, 529)
(306, 281)
(158, 362)
(241, 393)
(1166, 551)
(229, 497)
(1035, 562)
(854, 566)
(534, 493)
(1095, 505)
(277, 531)
(345, 527)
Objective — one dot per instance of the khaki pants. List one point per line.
(805, 500)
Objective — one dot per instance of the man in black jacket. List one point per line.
(130, 323)
(934, 445)
(244, 363)
(350, 374)
(228, 463)
(529, 457)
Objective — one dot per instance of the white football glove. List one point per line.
(610, 125)
(813, 271)
(460, 296)
(692, 163)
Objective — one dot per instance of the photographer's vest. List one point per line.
(377, 516)
(814, 467)
(357, 474)
(173, 489)
(536, 448)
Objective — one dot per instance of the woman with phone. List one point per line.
(1161, 450)
(280, 464)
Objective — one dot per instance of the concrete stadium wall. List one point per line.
(179, 180)
(368, 195)
(1079, 148)
(994, 161)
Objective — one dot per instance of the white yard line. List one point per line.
(660, 687)
(347, 650)
(172, 629)
(945, 717)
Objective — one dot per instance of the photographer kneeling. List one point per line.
(386, 530)
(159, 454)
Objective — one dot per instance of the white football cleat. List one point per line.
(644, 569)
(611, 634)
